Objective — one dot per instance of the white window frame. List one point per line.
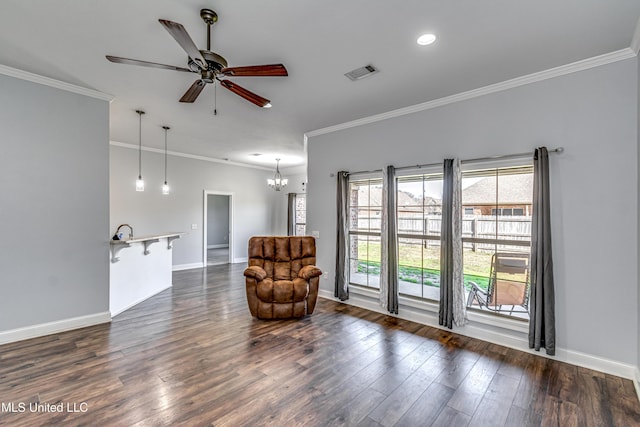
(434, 173)
(356, 178)
(295, 214)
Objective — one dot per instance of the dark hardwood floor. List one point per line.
(192, 355)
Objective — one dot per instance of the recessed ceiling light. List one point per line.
(426, 39)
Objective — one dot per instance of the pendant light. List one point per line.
(165, 186)
(140, 181)
(278, 182)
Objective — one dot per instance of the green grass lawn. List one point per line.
(426, 276)
(418, 264)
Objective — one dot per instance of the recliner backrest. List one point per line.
(282, 257)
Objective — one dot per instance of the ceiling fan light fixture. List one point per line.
(426, 39)
(268, 105)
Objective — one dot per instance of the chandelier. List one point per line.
(278, 182)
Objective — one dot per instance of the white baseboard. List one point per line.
(219, 246)
(115, 313)
(511, 338)
(180, 267)
(239, 260)
(43, 329)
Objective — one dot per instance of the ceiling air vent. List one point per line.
(362, 72)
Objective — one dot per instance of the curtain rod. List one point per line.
(479, 159)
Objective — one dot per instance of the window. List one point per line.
(496, 232)
(419, 213)
(501, 199)
(504, 211)
(365, 209)
(300, 226)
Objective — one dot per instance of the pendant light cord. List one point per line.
(166, 128)
(140, 113)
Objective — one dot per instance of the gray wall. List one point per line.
(593, 115)
(54, 208)
(217, 220)
(150, 212)
(638, 263)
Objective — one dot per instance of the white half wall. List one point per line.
(593, 114)
(150, 212)
(54, 209)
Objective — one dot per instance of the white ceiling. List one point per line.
(479, 43)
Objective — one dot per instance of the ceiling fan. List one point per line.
(208, 64)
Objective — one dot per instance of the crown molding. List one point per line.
(635, 41)
(47, 81)
(188, 156)
(562, 70)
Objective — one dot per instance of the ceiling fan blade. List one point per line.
(246, 94)
(256, 70)
(178, 32)
(119, 60)
(192, 93)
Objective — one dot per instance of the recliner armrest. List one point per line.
(255, 272)
(309, 271)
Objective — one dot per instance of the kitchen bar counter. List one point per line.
(139, 270)
(117, 245)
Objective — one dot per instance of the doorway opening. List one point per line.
(218, 228)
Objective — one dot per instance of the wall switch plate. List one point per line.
(194, 226)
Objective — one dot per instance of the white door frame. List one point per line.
(204, 221)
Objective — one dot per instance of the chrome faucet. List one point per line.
(116, 237)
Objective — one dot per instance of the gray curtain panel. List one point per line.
(445, 316)
(342, 242)
(542, 326)
(291, 214)
(459, 291)
(389, 243)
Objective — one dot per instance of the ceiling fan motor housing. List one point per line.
(215, 64)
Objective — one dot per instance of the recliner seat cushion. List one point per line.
(282, 291)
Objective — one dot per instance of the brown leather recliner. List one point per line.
(282, 279)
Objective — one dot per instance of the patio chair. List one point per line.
(508, 285)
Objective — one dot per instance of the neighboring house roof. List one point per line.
(403, 198)
(512, 189)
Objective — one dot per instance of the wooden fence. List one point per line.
(478, 227)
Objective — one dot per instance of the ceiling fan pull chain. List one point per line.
(215, 99)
